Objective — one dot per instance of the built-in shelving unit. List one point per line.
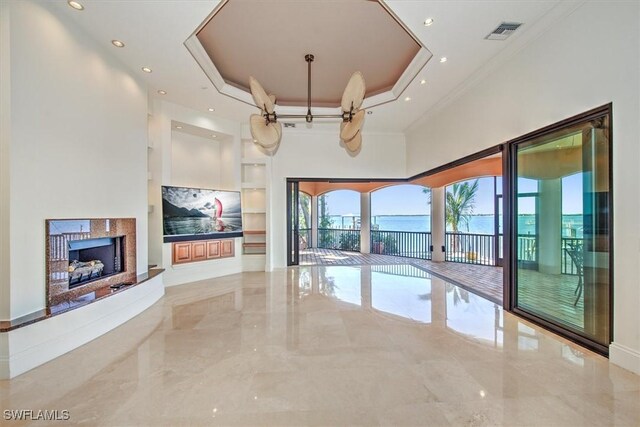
(255, 172)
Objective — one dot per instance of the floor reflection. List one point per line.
(333, 345)
(407, 293)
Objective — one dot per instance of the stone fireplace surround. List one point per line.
(59, 232)
(38, 337)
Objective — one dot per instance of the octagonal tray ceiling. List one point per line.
(269, 39)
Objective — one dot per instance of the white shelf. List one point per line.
(254, 176)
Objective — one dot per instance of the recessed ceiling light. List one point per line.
(149, 70)
(214, 136)
(255, 140)
(117, 43)
(178, 127)
(443, 59)
(423, 82)
(211, 109)
(408, 98)
(75, 5)
(162, 92)
(428, 22)
(369, 112)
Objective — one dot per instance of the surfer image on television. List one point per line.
(193, 211)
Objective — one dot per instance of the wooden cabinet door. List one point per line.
(213, 249)
(227, 248)
(181, 252)
(198, 251)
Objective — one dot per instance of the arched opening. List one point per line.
(401, 221)
(473, 221)
(339, 220)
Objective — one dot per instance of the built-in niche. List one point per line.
(86, 255)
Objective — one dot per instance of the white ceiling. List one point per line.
(154, 33)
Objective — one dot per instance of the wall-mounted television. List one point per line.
(199, 214)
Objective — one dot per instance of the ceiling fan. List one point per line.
(267, 131)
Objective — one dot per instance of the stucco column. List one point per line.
(549, 225)
(438, 225)
(365, 223)
(314, 222)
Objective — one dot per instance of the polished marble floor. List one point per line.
(333, 345)
(481, 279)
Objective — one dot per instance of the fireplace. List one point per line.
(92, 259)
(88, 255)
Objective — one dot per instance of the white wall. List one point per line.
(195, 161)
(318, 154)
(78, 141)
(588, 59)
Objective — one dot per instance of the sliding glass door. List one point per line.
(293, 223)
(561, 229)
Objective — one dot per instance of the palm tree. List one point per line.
(305, 210)
(460, 204)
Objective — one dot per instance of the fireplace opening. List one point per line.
(93, 259)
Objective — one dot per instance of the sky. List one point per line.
(410, 199)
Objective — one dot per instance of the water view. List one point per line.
(478, 224)
(178, 226)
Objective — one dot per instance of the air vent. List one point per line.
(503, 31)
(289, 125)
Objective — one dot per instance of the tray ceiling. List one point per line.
(269, 39)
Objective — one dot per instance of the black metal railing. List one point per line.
(527, 248)
(405, 270)
(567, 266)
(410, 244)
(59, 244)
(470, 248)
(336, 238)
(305, 238)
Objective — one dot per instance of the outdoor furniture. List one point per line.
(576, 253)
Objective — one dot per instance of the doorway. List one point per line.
(561, 228)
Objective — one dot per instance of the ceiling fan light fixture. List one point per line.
(355, 144)
(351, 128)
(260, 97)
(267, 131)
(264, 133)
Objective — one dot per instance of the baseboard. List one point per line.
(625, 357)
(4, 356)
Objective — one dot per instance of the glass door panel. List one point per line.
(293, 226)
(562, 233)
